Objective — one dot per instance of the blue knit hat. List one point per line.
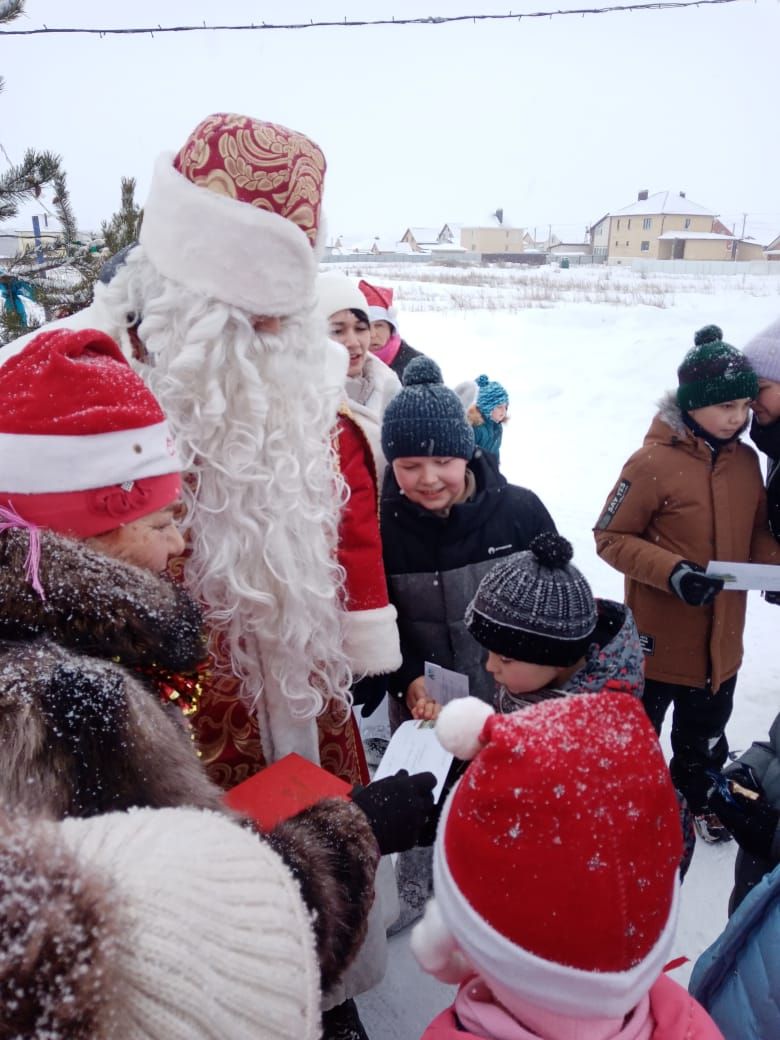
(490, 395)
(426, 417)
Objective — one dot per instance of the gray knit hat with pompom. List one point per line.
(534, 606)
(426, 417)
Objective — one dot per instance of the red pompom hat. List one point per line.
(380, 303)
(84, 445)
(557, 856)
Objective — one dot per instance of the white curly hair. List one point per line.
(253, 416)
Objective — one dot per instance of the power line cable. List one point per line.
(660, 5)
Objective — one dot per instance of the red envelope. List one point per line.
(284, 789)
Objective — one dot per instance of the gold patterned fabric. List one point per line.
(263, 164)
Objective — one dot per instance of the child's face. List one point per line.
(149, 542)
(346, 328)
(722, 420)
(520, 676)
(499, 413)
(434, 483)
(381, 331)
(766, 407)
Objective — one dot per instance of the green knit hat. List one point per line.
(713, 372)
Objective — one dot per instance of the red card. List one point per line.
(280, 791)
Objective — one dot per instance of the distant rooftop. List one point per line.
(672, 202)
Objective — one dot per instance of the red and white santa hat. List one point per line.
(84, 445)
(556, 858)
(380, 303)
(236, 214)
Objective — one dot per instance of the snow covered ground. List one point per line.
(585, 354)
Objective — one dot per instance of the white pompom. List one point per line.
(434, 947)
(459, 725)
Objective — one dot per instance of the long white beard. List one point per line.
(253, 416)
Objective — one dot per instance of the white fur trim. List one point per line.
(371, 640)
(459, 725)
(434, 947)
(387, 314)
(79, 463)
(231, 251)
(556, 987)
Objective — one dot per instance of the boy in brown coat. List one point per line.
(692, 493)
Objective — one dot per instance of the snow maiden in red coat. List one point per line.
(564, 805)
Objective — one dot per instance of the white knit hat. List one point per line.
(337, 292)
(763, 352)
(213, 940)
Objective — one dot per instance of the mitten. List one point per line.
(752, 821)
(397, 808)
(692, 585)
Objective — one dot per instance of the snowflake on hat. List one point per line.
(564, 805)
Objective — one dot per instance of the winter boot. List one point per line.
(710, 829)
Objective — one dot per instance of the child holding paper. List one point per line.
(546, 635)
(692, 493)
(446, 516)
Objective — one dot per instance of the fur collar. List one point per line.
(98, 605)
(670, 412)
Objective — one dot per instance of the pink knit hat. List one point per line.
(84, 445)
(556, 858)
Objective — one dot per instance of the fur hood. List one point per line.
(98, 605)
(669, 412)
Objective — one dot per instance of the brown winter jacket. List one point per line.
(671, 503)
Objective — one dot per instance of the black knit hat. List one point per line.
(713, 372)
(426, 417)
(534, 606)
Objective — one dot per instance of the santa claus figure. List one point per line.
(216, 305)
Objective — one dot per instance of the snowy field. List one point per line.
(585, 354)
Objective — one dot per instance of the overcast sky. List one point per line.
(556, 120)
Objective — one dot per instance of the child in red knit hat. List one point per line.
(555, 878)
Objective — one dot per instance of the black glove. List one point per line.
(397, 808)
(752, 821)
(692, 585)
(773, 598)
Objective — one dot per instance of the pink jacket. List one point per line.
(667, 1013)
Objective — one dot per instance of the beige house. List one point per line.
(419, 238)
(706, 245)
(496, 239)
(772, 251)
(639, 230)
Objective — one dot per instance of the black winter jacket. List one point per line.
(403, 357)
(434, 564)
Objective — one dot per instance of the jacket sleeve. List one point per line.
(620, 531)
(532, 515)
(763, 545)
(369, 624)
(332, 852)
